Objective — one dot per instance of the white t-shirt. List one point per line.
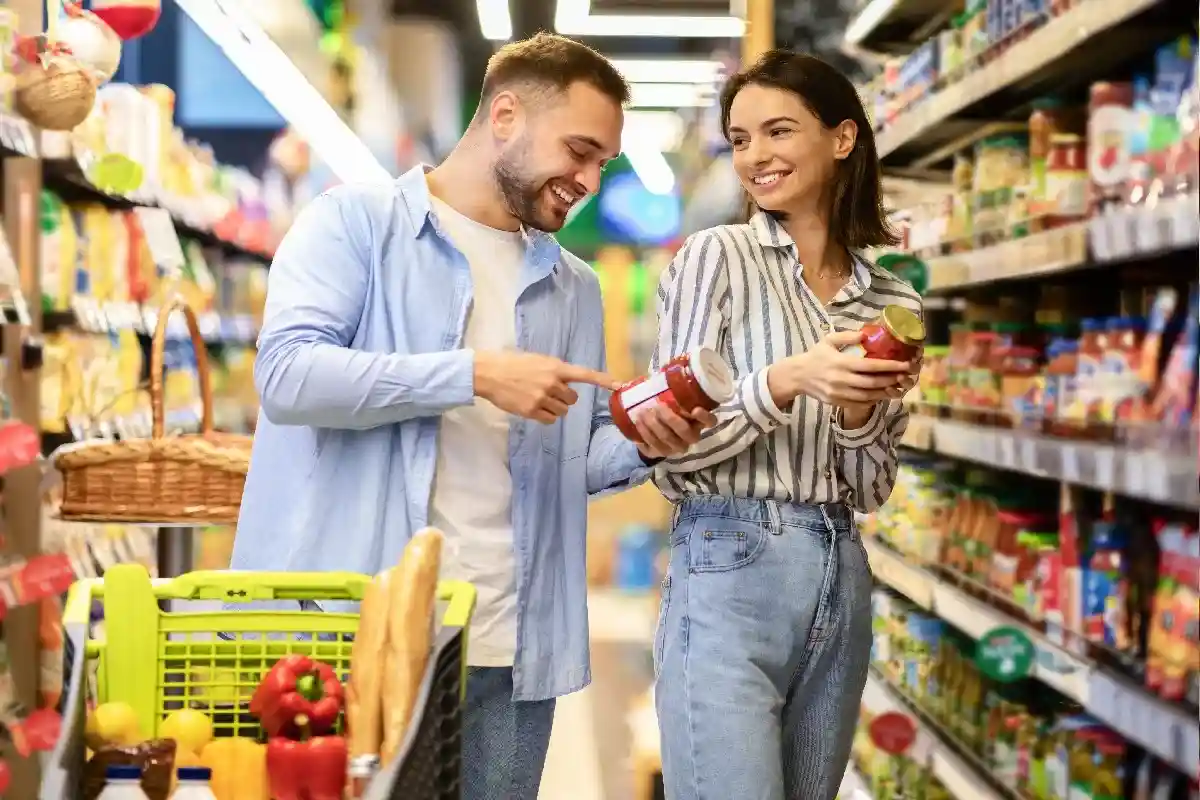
(472, 488)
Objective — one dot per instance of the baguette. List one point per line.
(364, 690)
(413, 598)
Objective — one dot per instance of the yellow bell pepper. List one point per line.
(239, 769)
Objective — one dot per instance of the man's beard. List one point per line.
(520, 193)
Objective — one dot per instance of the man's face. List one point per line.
(552, 152)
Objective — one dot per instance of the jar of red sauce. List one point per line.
(699, 379)
(897, 335)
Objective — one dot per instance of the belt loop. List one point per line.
(829, 524)
(773, 518)
(675, 514)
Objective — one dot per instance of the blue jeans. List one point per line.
(504, 740)
(762, 647)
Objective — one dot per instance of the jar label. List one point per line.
(639, 393)
(1108, 145)
(1067, 193)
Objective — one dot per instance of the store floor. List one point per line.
(590, 754)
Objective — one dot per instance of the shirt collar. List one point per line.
(769, 233)
(541, 246)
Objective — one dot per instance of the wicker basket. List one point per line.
(190, 479)
(56, 98)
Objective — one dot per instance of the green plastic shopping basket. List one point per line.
(159, 660)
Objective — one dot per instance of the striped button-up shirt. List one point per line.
(738, 289)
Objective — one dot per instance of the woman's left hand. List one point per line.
(909, 379)
(855, 415)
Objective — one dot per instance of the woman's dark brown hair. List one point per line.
(859, 219)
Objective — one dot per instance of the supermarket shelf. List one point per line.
(19, 138)
(1057, 250)
(959, 778)
(91, 317)
(1144, 473)
(1167, 731)
(65, 177)
(891, 25)
(1123, 236)
(1043, 48)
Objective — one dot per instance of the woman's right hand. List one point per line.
(826, 373)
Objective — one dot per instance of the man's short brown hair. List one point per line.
(550, 62)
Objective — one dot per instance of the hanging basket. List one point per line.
(56, 97)
(190, 479)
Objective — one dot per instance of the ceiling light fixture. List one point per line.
(274, 75)
(669, 95)
(662, 130)
(651, 168)
(495, 19)
(669, 70)
(575, 18)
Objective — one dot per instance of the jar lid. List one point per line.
(712, 373)
(904, 325)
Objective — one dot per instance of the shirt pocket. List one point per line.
(567, 438)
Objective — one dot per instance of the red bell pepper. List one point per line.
(298, 696)
(313, 769)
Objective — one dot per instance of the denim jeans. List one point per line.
(504, 740)
(762, 647)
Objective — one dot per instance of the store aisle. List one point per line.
(573, 763)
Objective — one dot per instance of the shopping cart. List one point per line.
(160, 659)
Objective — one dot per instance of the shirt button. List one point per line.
(829, 472)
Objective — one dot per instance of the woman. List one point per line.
(765, 628)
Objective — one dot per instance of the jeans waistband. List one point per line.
(835, 517)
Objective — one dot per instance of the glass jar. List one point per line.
(699, 379)
(1066, 179)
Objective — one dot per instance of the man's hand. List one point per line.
(532, 385)
(666, 433)
(826, 373)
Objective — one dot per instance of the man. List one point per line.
(429, 356)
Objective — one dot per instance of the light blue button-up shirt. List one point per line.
(358, 355)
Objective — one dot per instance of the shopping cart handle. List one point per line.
(243, 587)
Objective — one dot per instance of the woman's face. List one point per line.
(781, 151)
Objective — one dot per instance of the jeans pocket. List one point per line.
(660, 629)
(723, 544)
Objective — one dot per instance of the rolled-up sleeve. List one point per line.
(305, 372)
(867, 455)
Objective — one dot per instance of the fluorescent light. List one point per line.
(662, 130)
(651, 168)
(669, 95)
(494, 19)
(575, 18)
(868, 20)
(668, 70)
(279, 81)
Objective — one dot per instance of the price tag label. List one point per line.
(162, 239)
(1029, 460)
(1008, 455)
(1157, 476)
(25, 141)
(1070, 463)
(1185, 226)
(1106, 468)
